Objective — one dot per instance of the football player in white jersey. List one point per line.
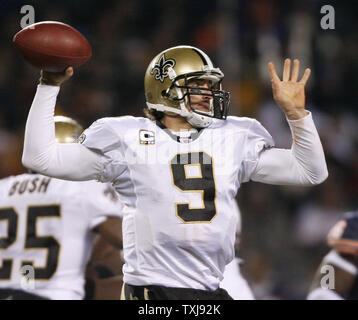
(178, 172)
(46, 229)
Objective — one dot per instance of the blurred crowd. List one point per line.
(283, 228)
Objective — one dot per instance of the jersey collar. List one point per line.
(181, 139)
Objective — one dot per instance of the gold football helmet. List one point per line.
(167, 85)
(67, 129)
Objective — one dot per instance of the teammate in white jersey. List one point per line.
(178, 172)
(46, 229)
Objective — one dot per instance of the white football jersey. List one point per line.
(234, 282)
(45, 232)
(178, 222)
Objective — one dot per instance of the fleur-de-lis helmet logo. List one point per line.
(162, 68)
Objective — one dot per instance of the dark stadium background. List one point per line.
(284, 228)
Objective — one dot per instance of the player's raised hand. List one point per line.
(56, 78)
(289, 93)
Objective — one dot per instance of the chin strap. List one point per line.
(198, 121)
(194, 119)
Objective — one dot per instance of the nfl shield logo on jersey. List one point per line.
(81, 138)
(146, 137)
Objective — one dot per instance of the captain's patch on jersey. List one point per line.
(146, 137)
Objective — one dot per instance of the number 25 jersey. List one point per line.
(179, 220)
(45, 232)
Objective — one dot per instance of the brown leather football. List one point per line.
(52, 46)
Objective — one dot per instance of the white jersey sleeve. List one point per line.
(303, 164)
(101, 138)
(41, 152)
(257, 140)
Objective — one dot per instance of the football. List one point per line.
(52, 46)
